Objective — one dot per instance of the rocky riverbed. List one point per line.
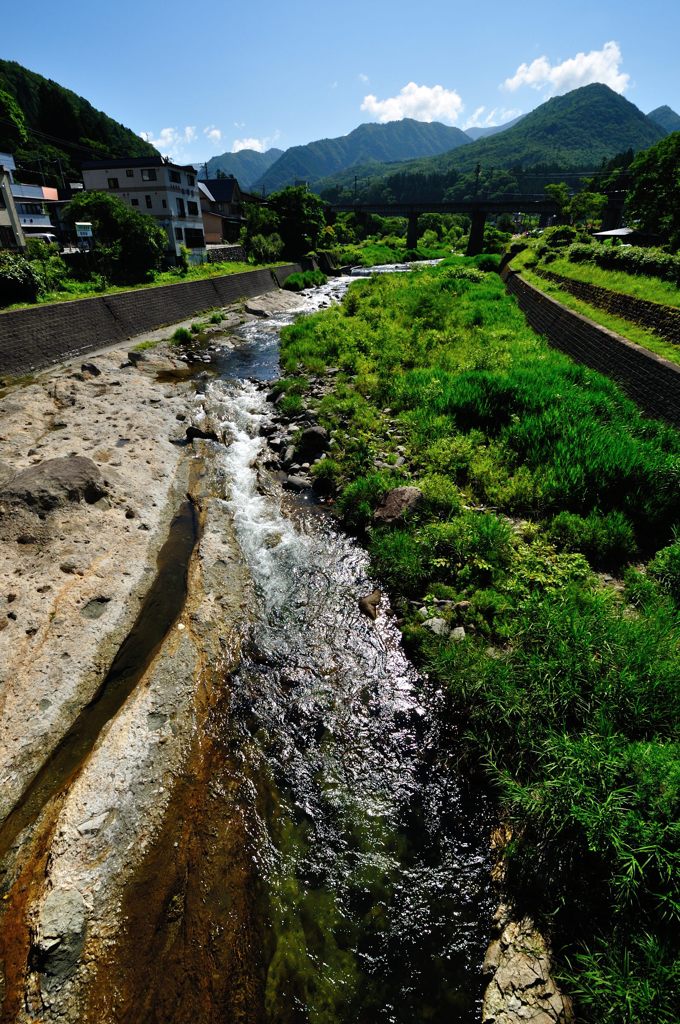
(95, 462)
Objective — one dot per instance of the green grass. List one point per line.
(537, 473)
(652, 289)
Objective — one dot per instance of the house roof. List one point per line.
(221, 189)
(135, 161)
(204, 190)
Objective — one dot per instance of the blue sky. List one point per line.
(202, 79)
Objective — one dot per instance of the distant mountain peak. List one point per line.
(368, 143)
(666, 118)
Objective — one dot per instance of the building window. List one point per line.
(135, 202)
(192, 208)
(165, 204)
(181, 212)
(176, 177)
(191, 180)
(179, 234)
(147, 200)
(148, 174)
(129, 173)
(194, 238)
(113, 182)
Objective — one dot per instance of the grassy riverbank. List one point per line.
(546, 530)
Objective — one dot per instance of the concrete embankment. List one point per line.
(653, 382)
(40, 336)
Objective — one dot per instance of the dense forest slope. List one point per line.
(51, 130)
(369, 143)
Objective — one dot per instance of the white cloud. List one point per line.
(213, 134)
(422, 102)
(335, 84)
(172, 141)
(583, 69)
(363, 78)
(239, 124)
(499, 115)
(259, 145)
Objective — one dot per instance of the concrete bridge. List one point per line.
(478, 209)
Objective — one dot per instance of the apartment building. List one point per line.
(166, 191)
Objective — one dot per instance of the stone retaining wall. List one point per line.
(226, 254)
(660, 319)
(653, 382)
(33, 338)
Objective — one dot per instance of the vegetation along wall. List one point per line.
(653, 382)
(41, 335)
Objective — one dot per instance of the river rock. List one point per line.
(522, 987)
(313, 441)
(55, 482)
(195, 433)
(369, 604)
(61, 935)
(397, 504)
(297, 483)
(439, 627)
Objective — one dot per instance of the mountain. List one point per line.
(666, 118)
(247, 165)
(369, 143)
(51, 130)
(483, 133)
(577, 131)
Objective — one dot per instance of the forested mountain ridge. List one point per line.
(247, 165)
(369, 143)
(666, 118)
(579, 130)
(50, 130)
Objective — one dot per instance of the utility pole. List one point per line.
(478, 171)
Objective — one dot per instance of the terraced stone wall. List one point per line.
(653, 382)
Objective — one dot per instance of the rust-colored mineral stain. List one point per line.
(190, 948)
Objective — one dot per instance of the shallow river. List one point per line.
(370, 850)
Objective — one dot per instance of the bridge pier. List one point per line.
(476, 240)
(611, 217)
(412, 231)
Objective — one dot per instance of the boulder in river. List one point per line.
(369, 604)
(313, 442)
(55, 482)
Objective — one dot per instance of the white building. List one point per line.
(11, 234)
(168, 192)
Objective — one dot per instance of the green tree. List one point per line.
(560, 195)
(129, 246)
(301, 219)
(654, 198)
(15, 131)
(587, 207)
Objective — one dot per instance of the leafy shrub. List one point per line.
(441, 497)
(20, 279)
(607, 540)
(630, 259)
(307, 279)
(665, 567)
(265, 248)
(182, 336)
(360, 498)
